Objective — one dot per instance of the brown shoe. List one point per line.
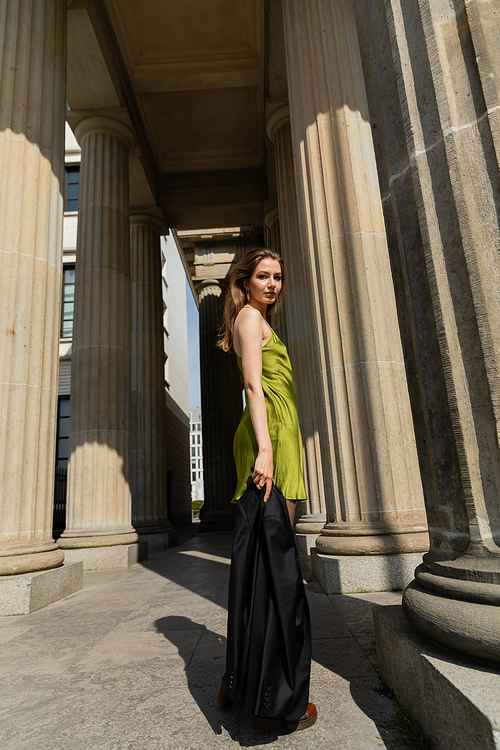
(307, 720)
(223, 700)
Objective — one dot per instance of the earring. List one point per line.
(248, 295)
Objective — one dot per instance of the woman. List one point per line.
(268, 643)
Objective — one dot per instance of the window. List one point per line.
(199, 451)
(68, 302)
(72, 187)
(193, 463)
(193, 439)
(199, 441)
(62, 445)
(198, 426)
(193, 476)
(199, 475)
(193, 451)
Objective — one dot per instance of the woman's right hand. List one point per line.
(263, 471)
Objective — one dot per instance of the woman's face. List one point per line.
(265, 283)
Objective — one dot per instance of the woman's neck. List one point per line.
(260, 307)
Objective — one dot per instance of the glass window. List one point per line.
(62, 445)
(68, 302)
(199, 441)
(72, 187)
(193, 476)
(198, 426)
(199, 451)
(193, 451)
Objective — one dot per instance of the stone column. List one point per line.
(221, 404)
(98, 519)
(272, 229)
(32, 107)
(149, 443)
(272, 238)
(440, 101)
(370, 470)
(484, 26)
(312, 520)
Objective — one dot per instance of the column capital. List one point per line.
(149, 220)
(271, 216)
(105, 124)
(276, 120)
(207, 284)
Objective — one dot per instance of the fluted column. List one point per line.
(99, 498)
(484, 26)
(272, 238)
(441, 182)
(221, 404)
(149, 444)
(32, 110)
(369, 460)
(313, 519)
(272, 233)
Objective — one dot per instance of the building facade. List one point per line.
(196, 454)
(362, 139)
(177, 382)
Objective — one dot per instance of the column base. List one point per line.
(455, 700)
(356, 574)
(83, 540)
(310, 523)
(105, 558)
(305, 542)
(23, 594)
(161, 539)
(466, 626)
(32, 559)
(388, 543)
(307, 529)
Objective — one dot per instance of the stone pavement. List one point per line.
(133, 661)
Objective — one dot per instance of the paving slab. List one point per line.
(134, 660)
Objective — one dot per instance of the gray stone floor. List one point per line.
(135, 658)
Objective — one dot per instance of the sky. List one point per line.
(193, 350)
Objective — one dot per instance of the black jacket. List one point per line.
(268, 656)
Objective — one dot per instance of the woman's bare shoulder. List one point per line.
(248, 324)
(248, 316)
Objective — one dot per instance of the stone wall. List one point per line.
(179, 485)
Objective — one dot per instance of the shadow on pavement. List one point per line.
(204, 668)
(343, 639)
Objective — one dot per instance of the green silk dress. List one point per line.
(283, 423)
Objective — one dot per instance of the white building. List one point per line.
(196, 454)
(176, 381)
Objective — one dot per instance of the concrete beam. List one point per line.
(214, 199)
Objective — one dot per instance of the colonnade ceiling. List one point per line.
(197, 71)
(190, 77)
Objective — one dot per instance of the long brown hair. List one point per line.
(236, 294)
